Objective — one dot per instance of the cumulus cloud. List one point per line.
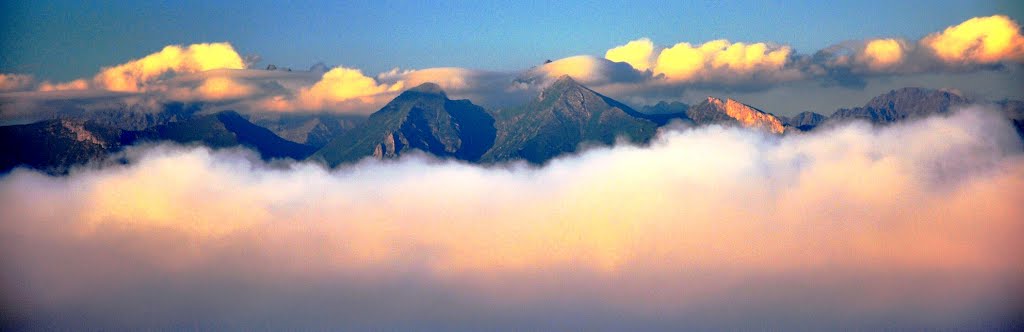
(980, 40)
(882, 54)
(339, 89)
(717, 62)
(638, 71)
(911, 226)
(975, 44)
(15, 82)
(136, 74)
(637, 53)
(723, 60)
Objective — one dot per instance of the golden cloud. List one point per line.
(79, 84)
(220, 88)
(136, 74)
(637, 53)
(980, 40)
(720, 59)
(882, 54)
(339, 89)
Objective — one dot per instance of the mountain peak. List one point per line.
(563, 83)
(565, 79)
(746, 115)
(563, 86)
(428, 88)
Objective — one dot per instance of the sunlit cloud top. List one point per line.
(635, 69)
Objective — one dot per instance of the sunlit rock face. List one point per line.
(714, 110)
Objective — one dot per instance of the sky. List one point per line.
(353, 57)
(64, 40)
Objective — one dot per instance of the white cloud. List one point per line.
(586, 69)
(711, 228)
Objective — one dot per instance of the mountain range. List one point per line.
(563, 117)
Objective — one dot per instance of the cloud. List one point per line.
(980, 40)
(449, 78)
(15, 82)
(586, 69)
(853, 227)
(79, 84)
(482, 87)
(980, 43)
(216, 88)
(339, 89)
(637, 53)
(882, 54)
(722, 60)
(134, 75)
(636, 72)
(716, 62)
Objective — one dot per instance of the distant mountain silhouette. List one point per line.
(896, 105)
(315, 130)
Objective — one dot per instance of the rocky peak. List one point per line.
(563, 86)
(746, 115)
(916, 101)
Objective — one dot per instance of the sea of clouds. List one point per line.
(914, 225)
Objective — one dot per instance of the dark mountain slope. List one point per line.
(222, 130)
(55, 146)
(309, 129)
(896, 105)
(421, 118)
(563, 116)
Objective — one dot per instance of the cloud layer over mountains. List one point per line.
(913, 225)
(634, 70)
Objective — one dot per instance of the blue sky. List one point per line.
(63, 40)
